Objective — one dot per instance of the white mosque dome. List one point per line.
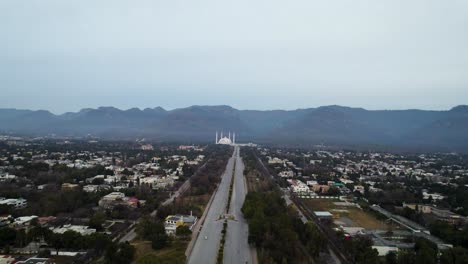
(225, 141)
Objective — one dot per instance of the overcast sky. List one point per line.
(250, 54)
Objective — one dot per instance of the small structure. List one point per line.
(173, 221)
(23, 221)
(16, 203)
(83, 230)
(70, 186)
(323, 215)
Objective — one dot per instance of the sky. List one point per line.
(389, 54)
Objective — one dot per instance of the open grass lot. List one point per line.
(194, 203)
(256, 182)
(172, 254)
(359, 217)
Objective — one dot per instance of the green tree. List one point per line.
(7, 236)
(183, 231)
(97, 221)
(391, 258)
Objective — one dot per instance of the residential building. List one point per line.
(173, 221)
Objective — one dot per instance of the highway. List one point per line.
(236, 249)
(206, 246)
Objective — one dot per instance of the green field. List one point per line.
(359, 217)
(172, 254)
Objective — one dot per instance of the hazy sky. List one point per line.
(378, 54)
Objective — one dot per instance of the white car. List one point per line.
(206, 237)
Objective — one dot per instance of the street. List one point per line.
(236, 249)
(206, 246)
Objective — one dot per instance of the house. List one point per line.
(147, 147)
(433, 196)
(311, 183)
(297, 186)
(438, 213)
(5, 220)
(16, 203)
(23, 221)
(90, 188)
(6, 259)
(359, 188)
(7, 177)
(286, 174)
(45, 220)
(83, 230)
(173, 221)
(320, 188)
(111, 200)
(117, 198)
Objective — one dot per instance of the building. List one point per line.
(111, 200)
(223, 140)
(23, 221)
(323, 215)
(90, 188)
(6, 259)
(438, 213)
(83, 230)
(173, 221)
(70, 186)
(16, 203)
(286, 174)
(117, 198)
(7, 177)
(359, 188)
(296, 186)
(147, 147)
(5, 220)
(320, 188)
(433, 196)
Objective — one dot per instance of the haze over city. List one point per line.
(65, 56)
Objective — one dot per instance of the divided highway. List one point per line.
(206, 247)
(207, 244)
(236, 249)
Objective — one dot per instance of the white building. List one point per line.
(223, 140)
(83, 230)
(173, 221)
(16, 203)
(297, 186)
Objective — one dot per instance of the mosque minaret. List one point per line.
(223, 140)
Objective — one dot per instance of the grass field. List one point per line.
(359, 217)
(256, 182)
(172, 254)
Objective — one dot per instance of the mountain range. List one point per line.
(326, 125)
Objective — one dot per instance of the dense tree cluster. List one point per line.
(360, 250)
(208, 177)
(450, 233)
(276, 230)
(149, 229)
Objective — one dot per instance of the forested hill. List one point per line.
(328, 125)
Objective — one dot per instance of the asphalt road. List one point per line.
(236, 249)
(205, 251)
